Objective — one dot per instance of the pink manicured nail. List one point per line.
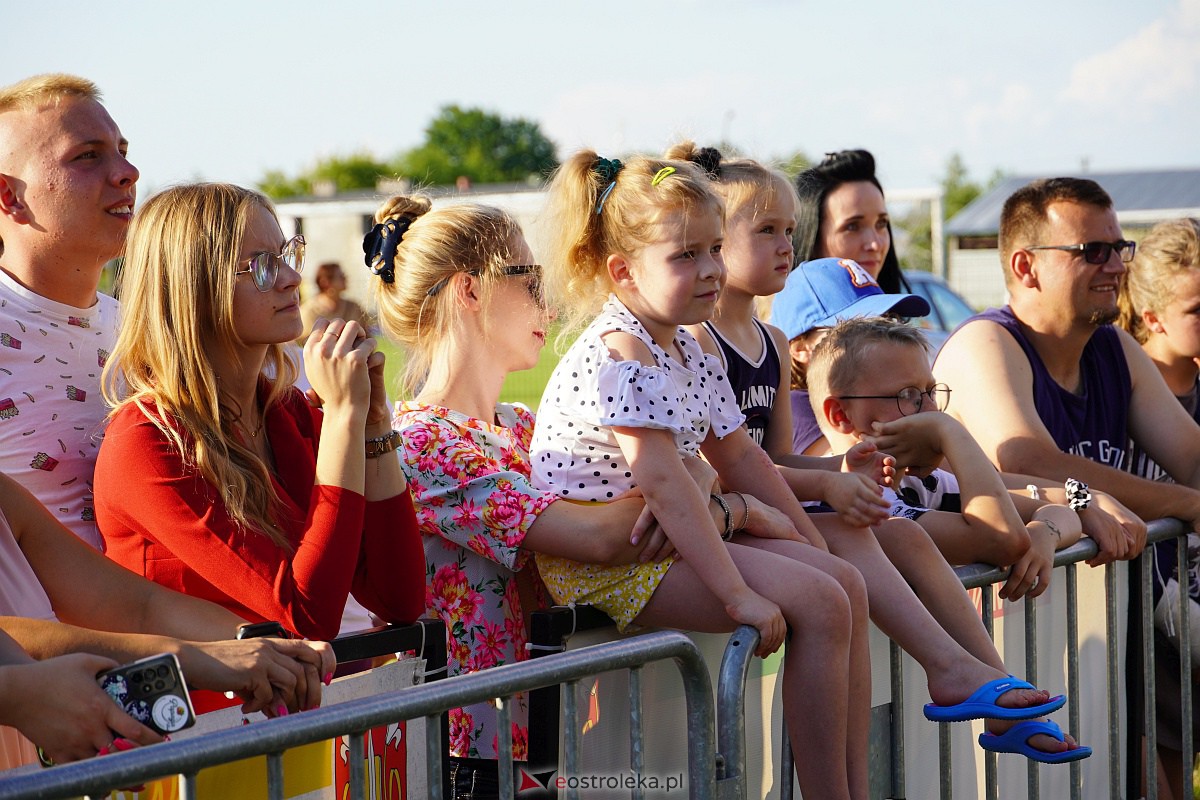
(122, 744)
(281, 710)
(328, 679)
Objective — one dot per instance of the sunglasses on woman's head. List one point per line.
(264, 267)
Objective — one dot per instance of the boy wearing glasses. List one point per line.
(66, 199)
(869, 378)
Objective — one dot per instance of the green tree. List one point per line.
(339, 173)
(958, 190)
(794, 164)
(278, 185)
(478, 145)
(356, 171)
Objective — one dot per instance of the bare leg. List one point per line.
(952, 673)
(1170, 766)
(918, 559)
(816, 680)
(858, 720)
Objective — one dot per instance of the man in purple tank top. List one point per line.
(1049, 387)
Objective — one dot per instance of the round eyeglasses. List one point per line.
(264, 267)
(910, 399)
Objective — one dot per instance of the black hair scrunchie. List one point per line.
(379, 247)
(709, 160)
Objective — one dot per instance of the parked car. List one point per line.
(948, 308)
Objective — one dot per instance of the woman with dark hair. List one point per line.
(842, 214)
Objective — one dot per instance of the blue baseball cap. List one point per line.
(825, 291)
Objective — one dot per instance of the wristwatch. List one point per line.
(253, 630)
(383, 444)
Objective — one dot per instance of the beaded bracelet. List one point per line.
(383, 444)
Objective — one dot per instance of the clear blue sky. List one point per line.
(226, 90)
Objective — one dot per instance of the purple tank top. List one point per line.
(1093, 424)
(805, 429)
(754, 384)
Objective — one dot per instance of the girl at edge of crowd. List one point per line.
(313, 504)
(460, 289)
(328, 302)
(934, 616)
(1160, 307)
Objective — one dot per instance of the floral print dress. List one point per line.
(469, 480)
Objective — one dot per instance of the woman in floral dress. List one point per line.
(459, 288)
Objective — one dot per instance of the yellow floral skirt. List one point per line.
(621, 592)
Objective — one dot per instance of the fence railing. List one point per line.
(271, 738)
(716, 750)
(1123, 770)
(1139, 683)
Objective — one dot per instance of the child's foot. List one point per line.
(1040, 740)
(996, 698)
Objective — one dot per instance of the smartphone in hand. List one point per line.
(152, 691)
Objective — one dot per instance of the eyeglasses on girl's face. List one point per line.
(910, 399)
(264, 267)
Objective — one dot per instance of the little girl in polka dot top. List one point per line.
(634, 402)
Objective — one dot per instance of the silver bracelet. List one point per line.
(745, 513)
(1053, 529)
(728, 532)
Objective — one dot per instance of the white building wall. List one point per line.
(978, 277)
(333, 230)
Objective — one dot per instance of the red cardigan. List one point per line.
(165, 522)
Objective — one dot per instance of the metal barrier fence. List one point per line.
(558, 624)
(1139, 673)
(271, 738)
(716, 757)
(1139, 683)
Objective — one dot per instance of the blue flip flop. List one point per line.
(982, 704)
(1016, 740)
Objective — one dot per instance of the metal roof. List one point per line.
(1146, 197)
